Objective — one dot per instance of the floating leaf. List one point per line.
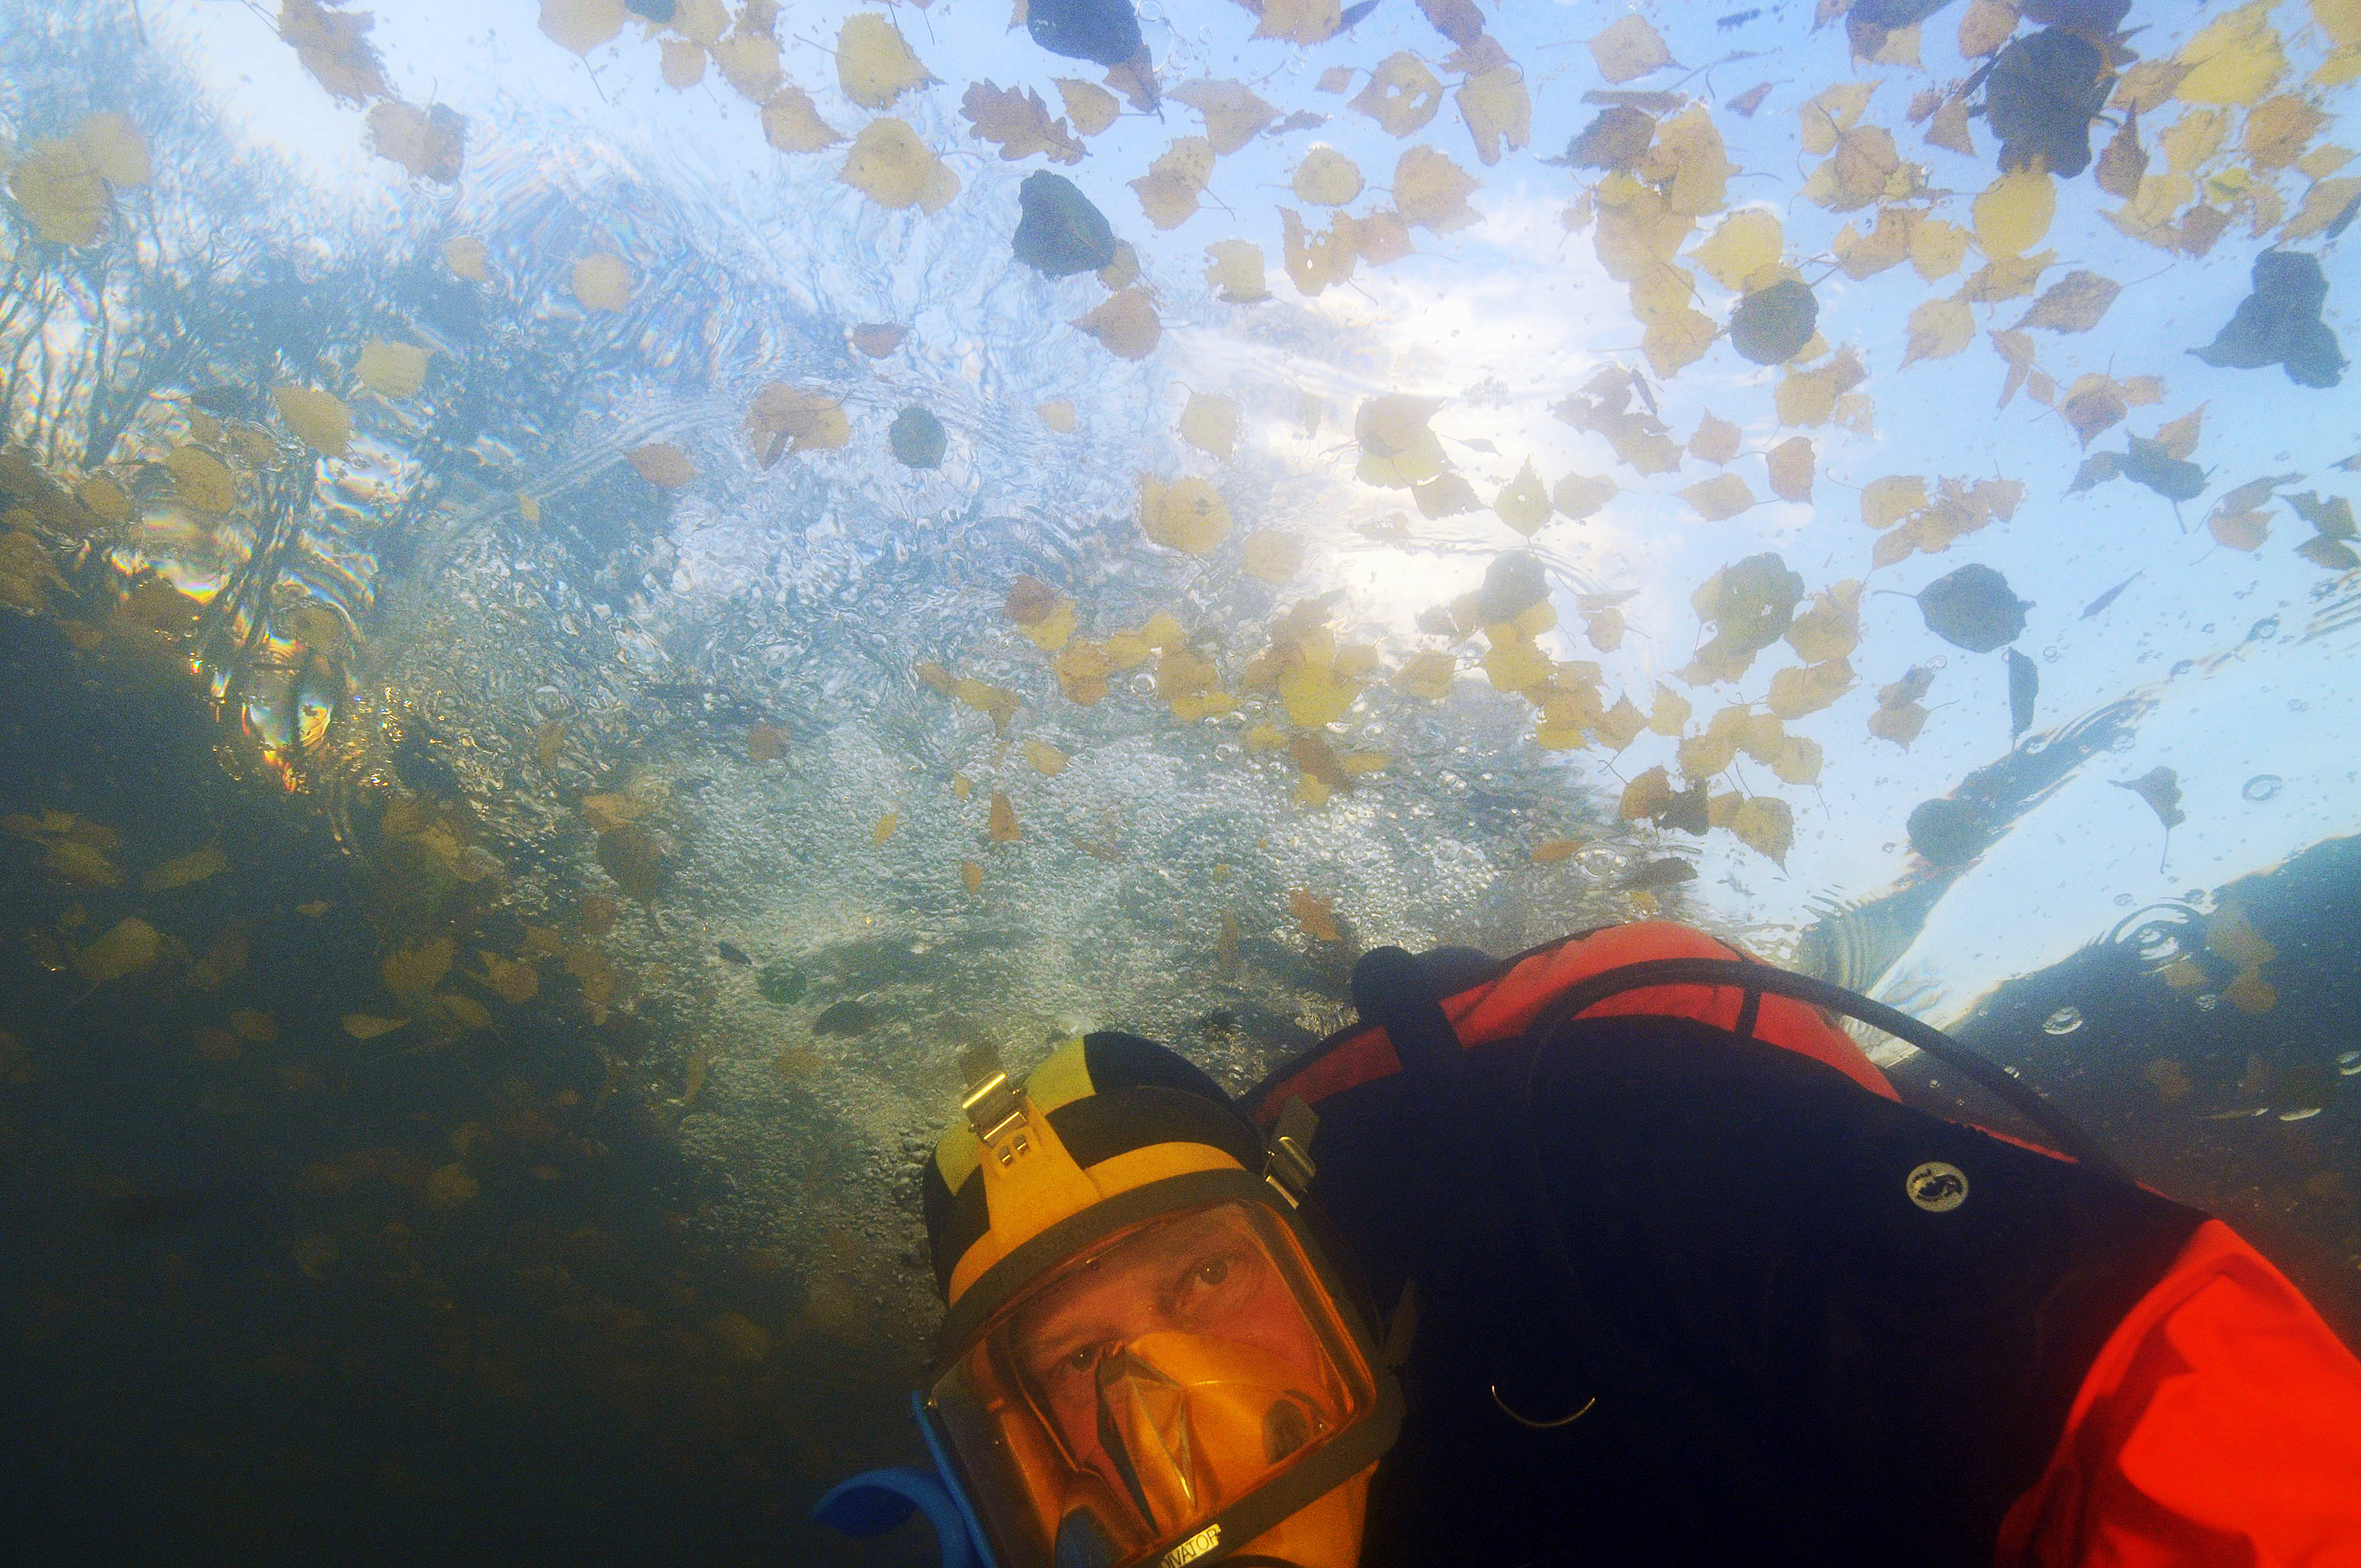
(1091, 107)
(1058, 413)
(319, 418)
(1401, 94)
(1060, 232)
(1938, 329)
(1188, 514)
(1210, 423)
(873, 62)
(917, 438)
(1125, 323)
(1617, 140)
(201, 479)
(2234, 59)
(2149, 462)
(604, 282)
(1716, 440)
(1316, 916)
(1234, 266)
(886, 825)
(1106, 32)
(890, 165)
(2160, 787)
(2279, 323)
(1431, 192)
(1234, 114)
(782, 418)
(369, 1026)
(183, 869)
(391, 369)
(1972, 608)
(663, 465)
(1018, 122)
(1169, 192)
(1497, 109)
(1325, 178)
(2024, 686)
(1269, 555)
(791, 122)
(1001, 820)
(1578, 496)
(1886, 501)
(418, 966)
(1765, 825)
(2014, 213)
(467, 257)
(2040, 97)
(2074, 303)
(1771, 324)
(1718, 499)
(581, 25)
(1628, 50)
(1746, 245)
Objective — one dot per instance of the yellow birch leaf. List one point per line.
(114, 148)
(1271, 555)
(1700, 170)
(971, 876)
(604, 282)
(1936, 248)
(1765, 825)
(63, 196)
(1169, 190)
(318, 419)
(885, 827)
(1235, 268)
(1938, 329)
(1001, 821)
(181, 869)
(1628, 50)
(1210, 423)
(1886, 501)
(467, 257)
(682, 63)
(1299, 21)
(791, 122)
(2013, 211)
(581, 25)
(2234, 59)
(1046, 759)
(201, 479)
(663, 465)
(1797, 761)
(1985, 27)
(1716, 440)
(874, 64)
(1551, 851)
(1316, 916)
(450, 1186)
(513, 983)
(1828, 114)
(1401, 95)
(1124, 324)
(1498, 110)
(369, 1026)
(893, 168)
(1718, 499)
(1791, 465)
(1058, 413)
(1578, 496)
(748, 61)
(1186, 515)
(1234, 114)
(1325, 178)
(1091, 107)
(391, 369)
(1742, 245)
(470, 1013)
(104, 499)
(1523, 504)
(417, 967)
(782, 419)
(1427, 675)
(1431, 192)
(1800, 689)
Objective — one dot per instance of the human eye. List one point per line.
(1211, 1282)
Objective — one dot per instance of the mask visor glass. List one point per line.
(1131, 1395)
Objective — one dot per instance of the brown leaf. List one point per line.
(2124, 161)
(1791, 464)
(2074, 303)
(1020, 122)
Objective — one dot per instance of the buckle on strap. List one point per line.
(1287, 1162)
(993, 1105)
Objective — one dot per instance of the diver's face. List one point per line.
(1200, 1274)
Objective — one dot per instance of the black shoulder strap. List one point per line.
(1392, 990)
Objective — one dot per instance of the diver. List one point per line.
(1617, 1252)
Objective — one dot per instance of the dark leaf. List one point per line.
(1106, 32)
(630, 854)
(1657, 875)
(2043, 90)
(658, 11)
(1647, 101)
(1746, 103)
(918, 439)
(2251, 494)
(1755, 603)
(2096, 469)
(2104, 599)
(1894, 14)
(2343, 220)
(1311, 755)
(1947, 833)
(2125, 162)
(2160, 787)
(1457, 20)
(1061, 233)
(1513, 584)
(1972, 608)
(1686, 810)
(2332, 515)
(2279, 323)
(2093, 18)
(1772, 325)
(2024, 686)
(1617, 139)
(1913, 683)
(2323, 551)
(779, 983)
(731, 953)
(2174, 479)
(1354, 15)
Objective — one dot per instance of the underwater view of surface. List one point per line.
(591, 591)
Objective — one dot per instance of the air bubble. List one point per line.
(2050, 655)
(1228, 752)
(1143, 686)
(2262, 786)
(2123, 901)
(2301, 1113)
(2349, 1065)
(2181, 669)
(2065, 1021)
(1939, 661)
(2207, 1002)
(2122, 740)
(2264, 630)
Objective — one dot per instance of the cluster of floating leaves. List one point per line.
(2218, 133)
